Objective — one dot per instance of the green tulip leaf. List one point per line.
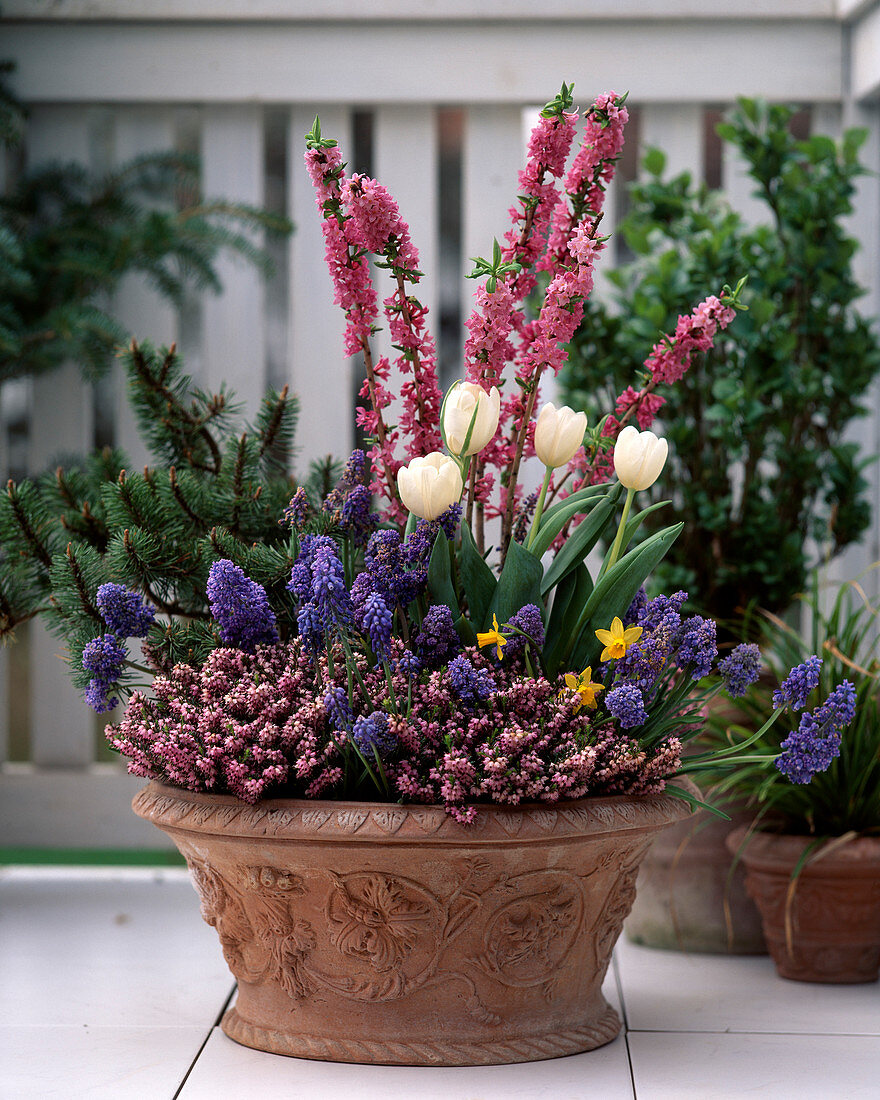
(615, 591)
(569, 599)
(580, 497)
(519, 583)
(551, 525)
(582, 540)
(440, 586)
(478, 580)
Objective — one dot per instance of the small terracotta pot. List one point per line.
(364, 932)
(834, 912)
(688, 898)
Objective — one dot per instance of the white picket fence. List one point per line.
(440, 93)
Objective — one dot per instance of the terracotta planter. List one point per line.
(835, 911)
(686, 892)
(688, 898)
(363, 932)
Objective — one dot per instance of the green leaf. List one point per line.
(654, 161)
(556, 518)
(478, 579)
(615, 591)
(519, 583)
(582, 540)
(569, 599)
(465, 631)
(440, 583)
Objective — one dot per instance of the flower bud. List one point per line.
(430, 485)
(458, 411)
(639, 457)
(558, 434)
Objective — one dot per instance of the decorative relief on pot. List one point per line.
(260, 938)
(386, 928)
(527, 937)
(389, 821)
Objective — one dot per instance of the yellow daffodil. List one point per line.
(492, 637)
(617, 639)
(585, 687)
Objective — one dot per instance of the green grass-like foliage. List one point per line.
(845, 798)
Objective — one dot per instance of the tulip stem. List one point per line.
(472, 493)
(618, 541)
(539, 507)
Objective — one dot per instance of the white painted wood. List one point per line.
(864, 224)
(62, 731)
(405, 161)
(677, 129)
(140, 130)
(379, 10)
(689, 60)
(85, 807)
(864, 56)
(233, 326)
(318, 370)
(493, 155)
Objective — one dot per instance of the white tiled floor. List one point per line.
(111, 987)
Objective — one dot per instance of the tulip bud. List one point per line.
(558, 434)
(430, 485)
(639, 457)
(458, 411)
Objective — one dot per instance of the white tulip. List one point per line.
(558, 434)
(430, 485)
(458, 411)
(639, 457)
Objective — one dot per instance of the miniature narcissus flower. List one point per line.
(584, 686)
(466, 402)
(492, 637)
(616, 640)
(430, 485)
(558, 434)
(639, 457)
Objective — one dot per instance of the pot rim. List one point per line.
(317, 819)
(769, 850)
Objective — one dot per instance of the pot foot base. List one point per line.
(532, 1048)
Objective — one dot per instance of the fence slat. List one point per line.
(677, 129)
(318, 371)
(405, 161)
(864, 225)
(140, 130)
(61, 421)
(234, 343)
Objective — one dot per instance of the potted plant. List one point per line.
(756, 426)
(812, 853)
(411, 809)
